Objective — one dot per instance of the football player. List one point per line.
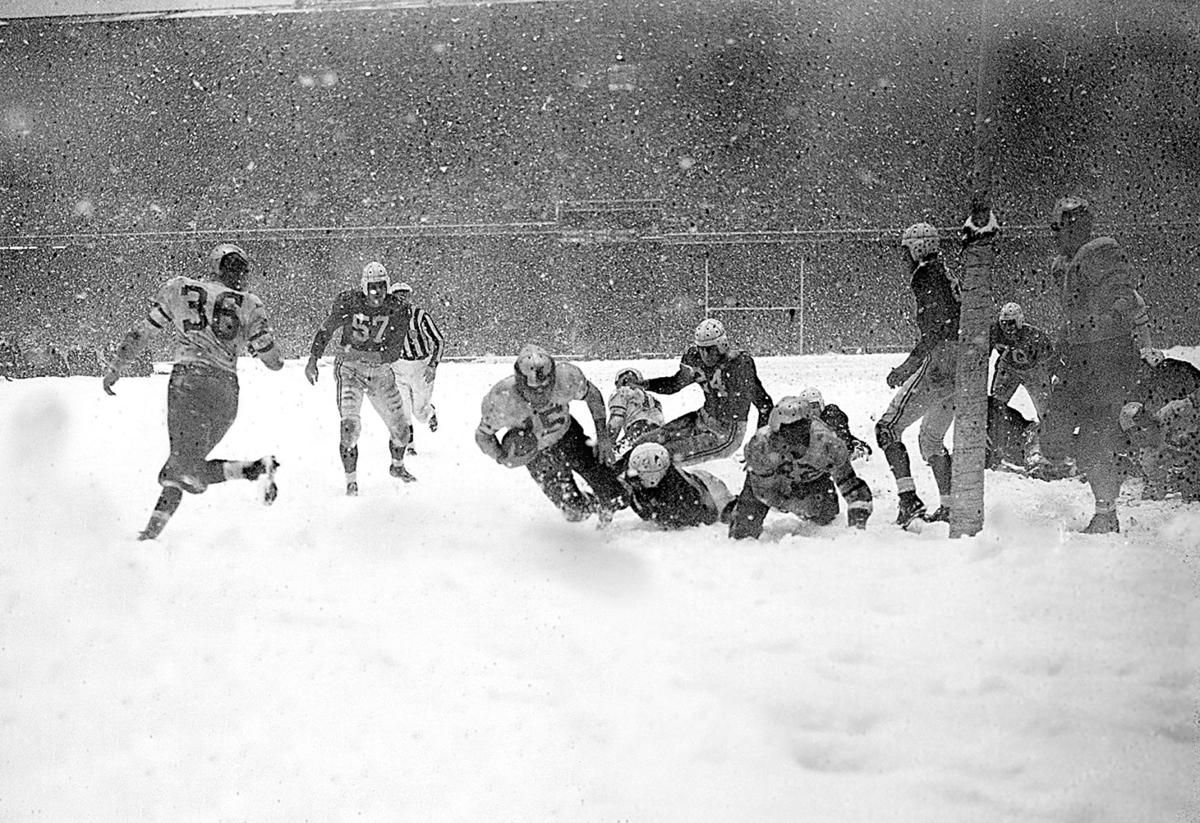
(797, 464)
(729, 380)
(832, 416)
(632, 411)
(1104, 340)
(924, 382)
(1025, 357)
(672, 497)
(536, 399)
(213, 320)
(370, 325)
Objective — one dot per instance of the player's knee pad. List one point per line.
(350, 429)
(175, 474)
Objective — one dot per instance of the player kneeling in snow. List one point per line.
(797, 464)
(533, 404)
(670, 497)
(1170, 438)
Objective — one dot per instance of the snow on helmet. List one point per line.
(401, 288)
(649, 462)
(921, 240)
(375, 272)
(230, 265)
(811, 396)
(1011, 317)
(627, 375)
(1068, 210)
(534, 368)
(711, 332)
(788, 410)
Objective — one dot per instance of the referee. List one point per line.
(416, 368)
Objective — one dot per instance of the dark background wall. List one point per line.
(127, 149)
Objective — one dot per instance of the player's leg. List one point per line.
(351, 385)
(388, 401)
(554, 477)
(932, 442)
(717, 497)
(906, 407)
(581, 458)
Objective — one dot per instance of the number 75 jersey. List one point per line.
(211, 323)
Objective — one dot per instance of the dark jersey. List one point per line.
(1025, 349)
(364, 328)
(675, 503)
(938, 305)
(730, 386)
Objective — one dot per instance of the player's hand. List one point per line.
(861, 450)
(310, 371)
(896, 377)
(1152, 357)
(109, 380)
(981, 226)
(430, 373)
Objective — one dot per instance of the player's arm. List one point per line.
(856, 493)
(485, 439)
(335, 320)
(758, 392)
(618, 410)
(158, 317)
(260, 340)
(429, 328)
(681, 379)
(604, 441)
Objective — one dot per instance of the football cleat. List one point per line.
(911, 508)
(1103, 523)
(263, 469)
(158, 521)
(352, 489)
(940, 515)
(398, 470)
(433, 421)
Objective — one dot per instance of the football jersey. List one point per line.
(1024, 349)
(212, 324)
(630, 404)
(364, 328)
(730, 386)
(504, 408)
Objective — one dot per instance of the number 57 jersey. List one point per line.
(211, 323)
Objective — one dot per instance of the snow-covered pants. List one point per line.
(415, 390)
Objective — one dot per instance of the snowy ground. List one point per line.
(452, 650)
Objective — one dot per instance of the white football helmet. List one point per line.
(375, 272)
(788, 410)
(1011, 317)
(534, 368)
(812, 396)
(711, 332)
(230, 265)
(649, 462)
(401, 289)
(921, 240)
(627, 375)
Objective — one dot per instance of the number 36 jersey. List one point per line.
(211, 323)
(504, 408)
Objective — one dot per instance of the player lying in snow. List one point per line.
(671, 497)
(532, 408)
(1168, 444)
(797, 464)
(632, 411)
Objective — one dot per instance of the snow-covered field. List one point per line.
(452, 650)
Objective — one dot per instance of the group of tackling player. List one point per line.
(1100, 391)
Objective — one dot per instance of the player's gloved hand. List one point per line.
(430, 372)
(109, 380)
(861, 450)
(1152, 357)
(604, 450)
(896, 377)
(310, 371)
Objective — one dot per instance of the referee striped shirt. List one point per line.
(423, 338)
